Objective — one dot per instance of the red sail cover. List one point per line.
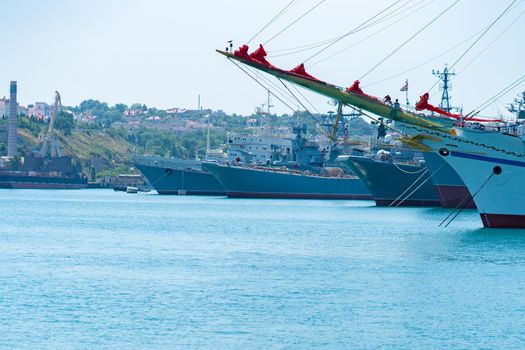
(242, 52)
(301, 71)
(424, 105)
(259, 56)
(355, 88)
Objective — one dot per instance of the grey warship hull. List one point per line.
(171, 176)
(264, 182)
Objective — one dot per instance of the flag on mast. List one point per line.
(404, 87)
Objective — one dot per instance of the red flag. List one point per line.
(404, 87)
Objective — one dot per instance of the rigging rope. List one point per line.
(421, 185)
(501, 93)
(409, 39)
(491, 43)
(409, 188)
(424, 63)
(408, 172)
(306, 109)
(352, 31)
(307, 100)
(286, 8)
(268, 81)
(377, 32)
(299, 48)
(297, 20)
(314, 45)
(478, 39)
(465, 204)
(279, 98)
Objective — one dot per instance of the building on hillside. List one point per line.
(41, 111)
(4, 108)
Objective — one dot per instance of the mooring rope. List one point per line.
(465, 204)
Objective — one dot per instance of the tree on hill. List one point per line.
(64, 122)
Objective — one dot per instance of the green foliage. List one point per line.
(64, 122)
(121, 108)
(29, 124)
(120, 132)
(89, 126)
(167, 144)
(105, 114)
(359, 127)
(120, 169)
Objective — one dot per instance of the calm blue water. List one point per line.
(95, 269)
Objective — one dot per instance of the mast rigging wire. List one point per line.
(297, 20)
(280, 99)
(500, 93)
(376, 32)
(314, 45)
(491, 43)
(306, 109)
(303, 96)
(409, 39)
(463, 205)
(286, 8)
(478, 39)
(424, 63)
(352, 31)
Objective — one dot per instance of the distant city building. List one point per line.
(175, 110)
(4, 108)
(41, 111)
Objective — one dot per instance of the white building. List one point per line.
(4, 108)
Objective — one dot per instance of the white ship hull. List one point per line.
(491, 164)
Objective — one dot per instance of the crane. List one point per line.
(49, 144)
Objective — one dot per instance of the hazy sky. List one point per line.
(161, 52)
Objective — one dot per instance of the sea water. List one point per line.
(97, 269)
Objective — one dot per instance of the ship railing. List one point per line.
(286, 170)
(512, 130)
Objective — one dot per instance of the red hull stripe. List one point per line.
(453, 196)
(503, 220)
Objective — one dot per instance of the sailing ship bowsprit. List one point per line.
(488, 154)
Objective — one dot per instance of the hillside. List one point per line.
(110, 153)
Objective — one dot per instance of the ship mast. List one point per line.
(444, 76)
(518, 106)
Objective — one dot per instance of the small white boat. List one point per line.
(132, 189)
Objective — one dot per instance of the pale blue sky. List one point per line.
(161, 52)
